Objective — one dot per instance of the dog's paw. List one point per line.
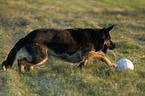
(113, 65)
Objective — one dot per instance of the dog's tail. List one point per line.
(12, 54)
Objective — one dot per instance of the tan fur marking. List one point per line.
(95, 55)
(41, 61)
(20, 65)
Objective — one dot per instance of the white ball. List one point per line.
(124, 64)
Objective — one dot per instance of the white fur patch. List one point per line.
(74, 58)
(26, 54)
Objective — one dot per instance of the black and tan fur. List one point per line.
(76, 45)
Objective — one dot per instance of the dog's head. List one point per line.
(108, 44)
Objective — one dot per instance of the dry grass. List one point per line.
(55, 77)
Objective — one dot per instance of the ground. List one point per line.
(55, 77)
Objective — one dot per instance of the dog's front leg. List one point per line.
(95, 55)
(83, 64)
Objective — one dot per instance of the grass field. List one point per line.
(59, 78)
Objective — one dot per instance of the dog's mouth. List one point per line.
(107, 48)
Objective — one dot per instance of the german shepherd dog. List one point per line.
(76, 45)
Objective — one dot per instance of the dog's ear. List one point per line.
(109, 28)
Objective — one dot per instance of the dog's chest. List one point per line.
(74, 58)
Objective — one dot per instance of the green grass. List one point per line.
(57, 78)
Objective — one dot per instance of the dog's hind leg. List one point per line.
(95, 55)
(22, 63)
(34, 54)
(29, 67)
